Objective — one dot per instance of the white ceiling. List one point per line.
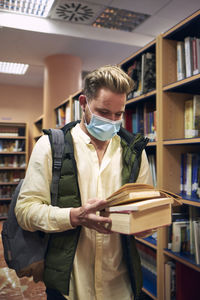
(30, 39)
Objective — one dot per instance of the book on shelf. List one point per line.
(180, 236)
(190, 174)
(196, 55)
(139, 207)
(148, 258)
(192, 117)
(152, 165)
(181, 73)
(196, 115)
(170, 280)
(148, 72)
(150, 121)
(188, 116)
(67, 113)
(196, 228)
(188, 56)
(134, 71)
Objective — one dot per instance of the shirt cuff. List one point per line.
(64, 219)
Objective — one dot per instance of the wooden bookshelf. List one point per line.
(146, 99)
(66, 111)
(169, 98)
(13, 160)
(172, 95)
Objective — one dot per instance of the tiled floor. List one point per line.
(13, 288)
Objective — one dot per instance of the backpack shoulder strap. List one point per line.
(133, 145)
(57, 146)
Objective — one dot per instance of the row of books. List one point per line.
(63, 113)
(184, 234)
(143, 72)
(188, 57)
(147, 257)
(11, 131)
(142, 119)
(152, 165)
(11, 176)
(12, 161)
(190, 175)
(12, 146)
(6, 191)
(192, 117)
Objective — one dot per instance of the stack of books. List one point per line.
(138, 207)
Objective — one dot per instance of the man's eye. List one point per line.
(104, 112)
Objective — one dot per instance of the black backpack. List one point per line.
(24, 251)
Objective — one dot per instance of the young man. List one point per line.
(85, 260)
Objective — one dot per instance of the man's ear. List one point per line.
(83, 102)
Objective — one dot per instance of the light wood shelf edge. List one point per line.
(143, 49)
(183, 261)
(149, 294)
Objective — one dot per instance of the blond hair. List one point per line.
(110, 77)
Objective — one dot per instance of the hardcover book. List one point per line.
(139, 207)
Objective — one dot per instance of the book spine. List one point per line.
(188, 56)
(188, 115)
(180, 61)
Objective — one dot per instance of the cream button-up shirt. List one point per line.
(99, 272)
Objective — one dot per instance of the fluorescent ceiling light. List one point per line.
(39, 8)
(13, 68)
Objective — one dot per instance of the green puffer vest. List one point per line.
(62, 246)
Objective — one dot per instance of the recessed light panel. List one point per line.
(38, 8)
(13, 68)
(120, 19)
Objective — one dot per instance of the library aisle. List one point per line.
(13, 288)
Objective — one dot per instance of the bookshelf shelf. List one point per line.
(182, 141)
(12, 152)
(149, 294)
(185, 259)
(150, 242)
(143, 97)
(151, 144)
(192, 202)
(7, 137)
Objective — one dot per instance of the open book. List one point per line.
(139, 207)
(132, 192)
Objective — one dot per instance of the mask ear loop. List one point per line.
(84, 113)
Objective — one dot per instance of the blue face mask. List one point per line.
(101, 128)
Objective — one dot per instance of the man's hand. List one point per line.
(86, 216)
